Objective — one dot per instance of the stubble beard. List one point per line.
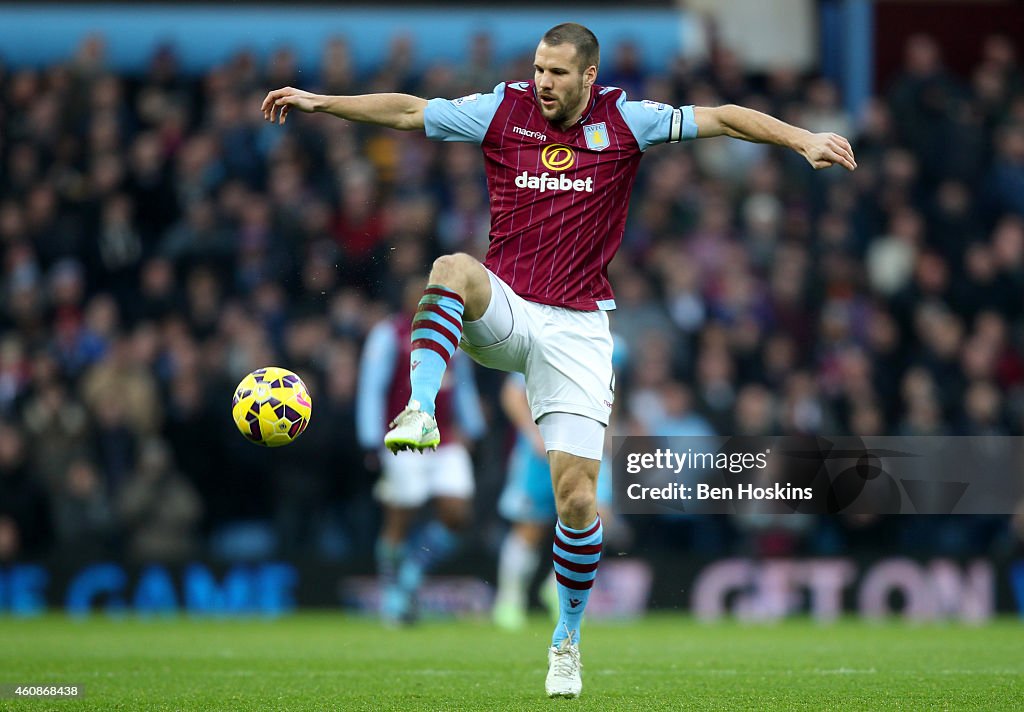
(559, 114)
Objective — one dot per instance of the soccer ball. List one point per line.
(271, 406)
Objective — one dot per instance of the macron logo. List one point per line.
(530, 134)
(545, 182)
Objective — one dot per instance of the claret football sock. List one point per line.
(576, 553)
(436, 330)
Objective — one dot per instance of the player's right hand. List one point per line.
(280, 101)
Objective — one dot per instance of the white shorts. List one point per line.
(409, 479)
(565, 354)
(575, 434)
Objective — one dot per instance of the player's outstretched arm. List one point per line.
(397, 111)
(821, 150)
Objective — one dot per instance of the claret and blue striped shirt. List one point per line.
(558, 198)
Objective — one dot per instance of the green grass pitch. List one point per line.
(332, 662)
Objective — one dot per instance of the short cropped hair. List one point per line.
(587, 50)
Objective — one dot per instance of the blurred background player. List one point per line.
(408, 479)
(528, 503)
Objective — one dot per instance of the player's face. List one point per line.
(563, 87)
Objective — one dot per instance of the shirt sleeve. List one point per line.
(375, 371)
(653, 122)
(465, 119)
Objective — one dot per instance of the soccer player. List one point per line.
(561, 153)
(529, 504)
(410, 480)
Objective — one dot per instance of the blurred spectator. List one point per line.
(58, 429)
(158, 509)
(924, 99)
(1006, 181)
(15, 371)
(337, 72)
(83, 517)
(755, 412)
(25, 524)
(678, 415)
(623, 69)
(123, 386)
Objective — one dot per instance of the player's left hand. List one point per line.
(828, 149)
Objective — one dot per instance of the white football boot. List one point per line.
(564, 670)
(412, 429)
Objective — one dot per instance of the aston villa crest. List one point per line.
(597, 136)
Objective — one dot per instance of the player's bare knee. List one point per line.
(462, 273)
(576, 506)
(453, 271)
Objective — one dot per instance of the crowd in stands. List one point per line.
(159, 240)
